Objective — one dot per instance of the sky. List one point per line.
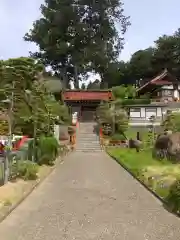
(149, 18)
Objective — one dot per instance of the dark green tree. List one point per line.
(140, 64)
(167, 53)
(75, 37)
(119, 73)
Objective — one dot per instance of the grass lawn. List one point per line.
(157, 175)
(132, 132)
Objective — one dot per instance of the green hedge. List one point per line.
(118, 137)
(126, 102)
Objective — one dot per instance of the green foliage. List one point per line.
(117, 119)
(172, 122)
(150, 139)
(118, 137)
(27, 170)
(135, 162)
(141, 64)
(31, 108)
(104, 113)
(173, 199)
(121, 121)
(145, 64)
(3, 127)
(69, 36)
(47, 150)
(127, 102)
(123, 92)
(156, 175)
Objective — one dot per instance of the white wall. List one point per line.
(145, 112)
(170, 87)
(175, 92)
(135, 112)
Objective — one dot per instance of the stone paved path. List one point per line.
(90, 197)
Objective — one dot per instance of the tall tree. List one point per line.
(119, 73)
(141, 64)
(167, 53)
(78, 36)
(105, 41)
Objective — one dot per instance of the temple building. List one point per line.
(163, 88)
(85, 102)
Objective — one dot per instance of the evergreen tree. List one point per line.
(77, 36)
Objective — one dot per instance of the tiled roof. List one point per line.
(87, 95)
(154, 80)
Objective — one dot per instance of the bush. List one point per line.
(173, 199)
(126, 102)
(27, 170)
(172, 122)
(118, 137)
(123, 91)
(47, 150)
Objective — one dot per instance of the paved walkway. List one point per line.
(90, 197)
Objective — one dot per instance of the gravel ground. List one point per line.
(88, 197)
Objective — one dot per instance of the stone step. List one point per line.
(88, 144)
(89, 150)
(87, 137)
(88, 140)
(86, 147)
(85, 134)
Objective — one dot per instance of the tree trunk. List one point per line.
(76, 80)
(64, 77)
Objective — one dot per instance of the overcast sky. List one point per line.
(150, 19)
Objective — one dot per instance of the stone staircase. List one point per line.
(87, 139)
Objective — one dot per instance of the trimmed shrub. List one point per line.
(27, 170)
(48, 148)
(173, 199)
(118, 137)
(126, 102)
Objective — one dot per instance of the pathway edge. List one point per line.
(137, 179)
(10, 209)
(142, 183)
